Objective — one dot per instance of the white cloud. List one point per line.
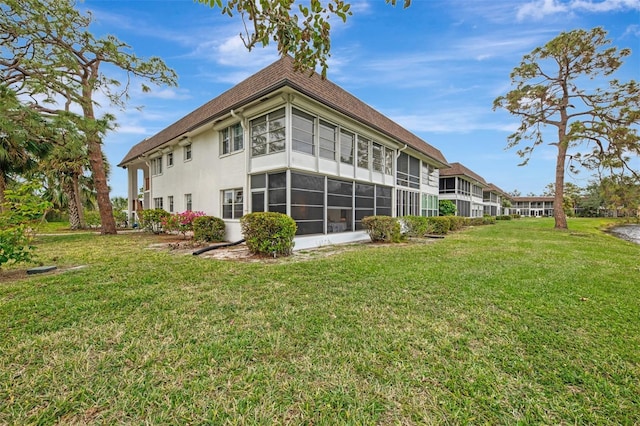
(539, 9)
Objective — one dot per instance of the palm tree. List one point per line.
(23, 138)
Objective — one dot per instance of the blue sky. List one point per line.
(435, 68)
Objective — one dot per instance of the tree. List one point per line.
(515, 193)
(304, 33)
(621, 194)
(446, 208)
(23, 138)
(48, 55)
(552, 89)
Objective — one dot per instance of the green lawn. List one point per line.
(502, 324)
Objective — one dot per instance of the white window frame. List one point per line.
(188, 202)
(158, 203)
(233, 198)
(231, 139)
(156, 166)
(188, 152)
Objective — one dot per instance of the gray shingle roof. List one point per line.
(275, 76)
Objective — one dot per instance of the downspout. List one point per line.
(394, 194)
(247, 158)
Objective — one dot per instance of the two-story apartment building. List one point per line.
(494, 198)
(288, 142)
(465, 188)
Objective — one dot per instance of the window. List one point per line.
(407, 203)
(339, 206)
(447, 185)
(388, 161)
(187, 152)
(188, 202)
(232, 139)
(157, 203)
(363, 153)
(307, 203)
(328, 135)
(429, 175)
(377, 155)
(258, 187)
(277, 194)
(156, 166)
(383, 200)
(170, 202)
(268, 133)
(365, 202)
(430, 205)
(302, 134)
(232, 203)
(170, 159)
(408, 173)
(346, 147)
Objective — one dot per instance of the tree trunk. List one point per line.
(3, 186)
(102, 188)
(96, 161)
(72, 203)
(76, 194)
(558, 201)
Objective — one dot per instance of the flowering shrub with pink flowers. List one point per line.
(180, 222)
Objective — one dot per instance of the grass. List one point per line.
(510, 323)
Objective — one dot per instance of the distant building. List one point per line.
(532, 206)
(464, 188)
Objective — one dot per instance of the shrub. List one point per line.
(417, 226)
(456, 223)
(180, 222)
(441, 225)
(475, 221)
(446, 208)
(515, 216)
(269, 233)
(489, 220)
(504, 217)
(382, 228)
(151, 220)
(19, 216)
(208, 228)
(92, 218)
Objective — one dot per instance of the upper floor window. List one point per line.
(377, 156)
(302, 134)
(232, 139)
(187, 152)
(408, 173)
(328, 139)
(156, 166)
(447, 185)
(268, 133)
(429, 175)
(347, 141)
(363, 153)
(170, 159)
